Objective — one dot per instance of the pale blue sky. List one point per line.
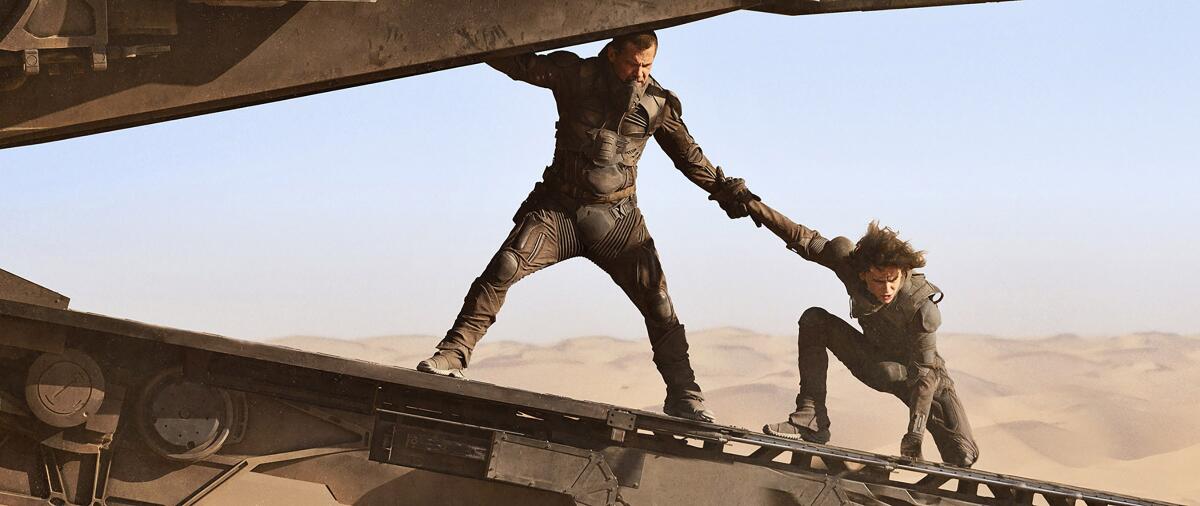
(1044, 152)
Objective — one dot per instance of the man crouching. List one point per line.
(895, 353)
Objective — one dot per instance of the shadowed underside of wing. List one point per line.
(77, 67)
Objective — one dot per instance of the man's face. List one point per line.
(883, 282)
(631, 65)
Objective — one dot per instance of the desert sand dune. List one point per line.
(1119, 414)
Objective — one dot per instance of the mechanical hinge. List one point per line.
(99, 58)
(620, 421)
(31, 62)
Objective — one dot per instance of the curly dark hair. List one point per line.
(882, 247)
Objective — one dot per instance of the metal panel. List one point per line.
(228, 57)
(31, 335)
(582, 474)
(20, 37)
(441, 448)
(64, 320)
(465, 428)
(13, 287)
(804, 7)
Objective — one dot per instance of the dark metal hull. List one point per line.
(99, 410)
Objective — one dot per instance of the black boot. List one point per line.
(688, 405)
(684, 398)
(810, 421)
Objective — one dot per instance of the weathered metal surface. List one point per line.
(584, 475)
(288, 366)
(427, 444)
(229, 57)
(167, 59)
(13, 287)
(359, 429)
(805, 7)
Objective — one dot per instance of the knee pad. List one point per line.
(658, 306)
(503, 268)
(886, 374)
(964, 453)
(810, 326)
(812, 316)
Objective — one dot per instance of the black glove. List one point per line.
(910, 446)
(732, 195)
(733, 189)
(733, 209)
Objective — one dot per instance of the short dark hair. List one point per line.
(639, 40)
(882, 247)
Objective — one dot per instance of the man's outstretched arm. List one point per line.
(546, 71)
(806, 242)
(675, 140)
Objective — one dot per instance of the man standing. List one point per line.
(895, 353)
(609, 107)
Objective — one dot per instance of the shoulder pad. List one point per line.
(653, 90)
(935, 293)
(922, 290)
(654, 100)
(673, 102)
(840, 246)
(928, 318)
(563, 58)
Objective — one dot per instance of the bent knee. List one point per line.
(813, 316)
(964, 453)
(503, 268)
(658, 306)
(885, 376)
(812, 327)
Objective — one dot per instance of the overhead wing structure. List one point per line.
(78, 67)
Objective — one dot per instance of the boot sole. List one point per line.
(807, 437)
(694, 417)
(425, 367)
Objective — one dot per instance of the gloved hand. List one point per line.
(733, 189)
(733, 209)
(910, 446)
(733, 195)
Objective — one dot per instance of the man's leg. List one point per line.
(536, 242)
(629, 257)
(950, 429)
(818, 331)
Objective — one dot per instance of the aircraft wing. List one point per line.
(78, 67)
(99, 410)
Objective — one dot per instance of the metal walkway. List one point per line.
(338, 418)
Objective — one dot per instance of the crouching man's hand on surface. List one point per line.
(910, 446)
